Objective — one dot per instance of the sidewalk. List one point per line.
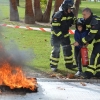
(53, 89)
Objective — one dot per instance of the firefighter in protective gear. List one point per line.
(93, 25)
(61, 21)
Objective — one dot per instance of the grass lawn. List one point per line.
(95, 7)
(38, 41)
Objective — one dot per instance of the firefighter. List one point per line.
(93, 25)
(64, 2)
(61, 21)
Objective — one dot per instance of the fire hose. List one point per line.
(67, 45)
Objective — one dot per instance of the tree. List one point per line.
(46, 15)
(57, 5)
(37, 10)
(14, 16)
(17, 2)
(77, 3)
(29, 15)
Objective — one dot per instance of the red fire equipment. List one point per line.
(84, 56)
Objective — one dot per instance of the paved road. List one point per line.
(59, 91)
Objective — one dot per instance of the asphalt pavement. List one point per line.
(54, 89)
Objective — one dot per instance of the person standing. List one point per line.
(93, 25)
(61, 21)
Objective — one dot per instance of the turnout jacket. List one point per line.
(93, 25)
(61, 23)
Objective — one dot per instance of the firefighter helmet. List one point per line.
(67, 4)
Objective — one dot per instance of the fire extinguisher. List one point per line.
(84, 56)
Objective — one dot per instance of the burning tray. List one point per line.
(19, 90)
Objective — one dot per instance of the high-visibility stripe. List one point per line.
(92, 66)
(97, 18)
(98, 70)
(58, 34)
(98, 66)
(88, 26)
(66, 18)
(63, 18)
(56, 24)
(83, 40)
(69, 18)
(55, 59)
(74, 18)
(52, 32)
(71, 61)
(94, 14)
(96, 41)
(66, 35)
(96, 59)
(70, 57)
(53, 63)
(90, 70)
(93, 31)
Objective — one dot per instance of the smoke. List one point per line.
(19, 57)
(10, 52)
(13, 55)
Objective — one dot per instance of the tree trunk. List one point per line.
(95, 0)
(46, 15)
(29, 15)
(37, 10)
(57, 5)
(77, 3)
(17, 2)
(14, 16)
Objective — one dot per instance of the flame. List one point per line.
(13, 76)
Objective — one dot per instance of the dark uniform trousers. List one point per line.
(55, 54)
(94, 67)
(93, 25)
(59, 30)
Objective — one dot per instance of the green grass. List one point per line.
(4, 5)
(38, 41)
(95, 7)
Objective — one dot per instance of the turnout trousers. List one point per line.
(94, 67)
(55, 54)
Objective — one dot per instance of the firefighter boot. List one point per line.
(86, 75)
(97, 75)
(53, 68)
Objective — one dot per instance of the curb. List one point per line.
(32, 28)
(68, 80)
